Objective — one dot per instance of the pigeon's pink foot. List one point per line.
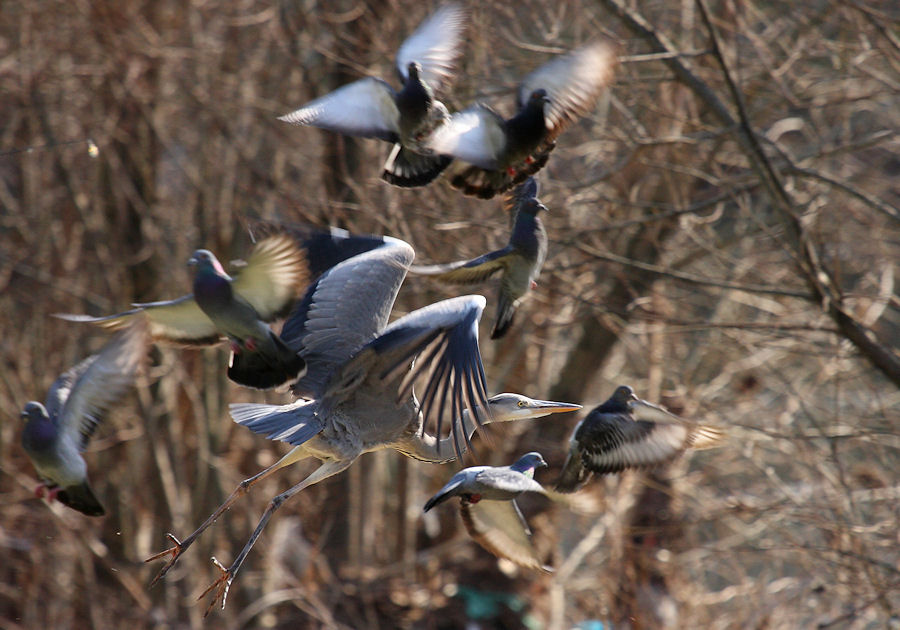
(533, 285)
(250, 344)
(235, 347)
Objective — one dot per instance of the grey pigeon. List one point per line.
(520, 261)
(371, 108)
(489, 511)
(627, 432)
(58, 431)
(500, 152)
(238, 308)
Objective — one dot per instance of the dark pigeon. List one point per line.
(57, 432)
(520, 261)
(627, 432)
(264, 289)
(501, 153)
(489, 511)
(371, 108)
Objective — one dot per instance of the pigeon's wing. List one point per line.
(574, 83)
(100, 383)
(467, 271)
(178, 321)
(344, 310)
(436, 45)
(513, 199)
(363, 108)
(475, 135)
(499, 527)
(274, 276)
(612, 442)
(506, 480)
(701, 436)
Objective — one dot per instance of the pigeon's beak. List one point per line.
(543, 207)
(192, 261)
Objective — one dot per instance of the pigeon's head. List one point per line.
(533, 207)
(414, 70)
(624, 394)
(205, 260)
(528, 462)
(538, 98)
(508, 407)
(34, 411)
(620, 401)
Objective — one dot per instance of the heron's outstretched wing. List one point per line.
(294, 423)
(435, 45)
(344, 310)
(273, 277)
(99, 381)
(467, 271)
(441, 342)
(178, 321)
(499, 527)
(363, 108)
(573, 83)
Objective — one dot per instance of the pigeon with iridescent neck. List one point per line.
(57, 432)
(627, 432)
(371, 108)
(489, 511)
(237, 308)
(501, 152)
(519, 263)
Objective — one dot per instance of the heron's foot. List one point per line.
(175, 551)
(220, 586)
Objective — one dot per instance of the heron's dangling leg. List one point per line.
(180, 546)
(222, 584)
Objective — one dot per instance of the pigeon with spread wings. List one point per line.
(519, 263)
(498, 152)
(627, 432)
(238, 307)
(371, 108)
(57, 432)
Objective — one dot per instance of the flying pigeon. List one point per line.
(520, 261)
(238, 307)
(627, 432)
(371, 108)
(502, 152)
(489, 511)
(58, 431)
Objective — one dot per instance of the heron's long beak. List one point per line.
(548, 406)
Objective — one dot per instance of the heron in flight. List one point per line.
(357, 394)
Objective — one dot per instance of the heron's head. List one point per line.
(508, 407)
(34, 411)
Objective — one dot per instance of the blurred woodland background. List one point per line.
(724, 236)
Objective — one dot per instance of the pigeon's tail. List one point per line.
(450, 490)
(260, 370)
(81, 498)
(408, 169)
(484, 184)
(573, 475)
(506, 311)
(707, 437)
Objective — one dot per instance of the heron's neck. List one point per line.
(428, 448)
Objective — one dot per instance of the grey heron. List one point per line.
(519, 263)
(498, 152)
(56, 433)
(371, 108)
(488, 508)
(627, 432)
(357, 394)
(264, 289)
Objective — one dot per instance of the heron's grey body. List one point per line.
(357, 391)
(371, 108)
(56, 433)
(519, 262)
(627, 432)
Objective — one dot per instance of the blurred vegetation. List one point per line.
(725, 235)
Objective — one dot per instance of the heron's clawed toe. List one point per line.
(175, 551)
(221, 586)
